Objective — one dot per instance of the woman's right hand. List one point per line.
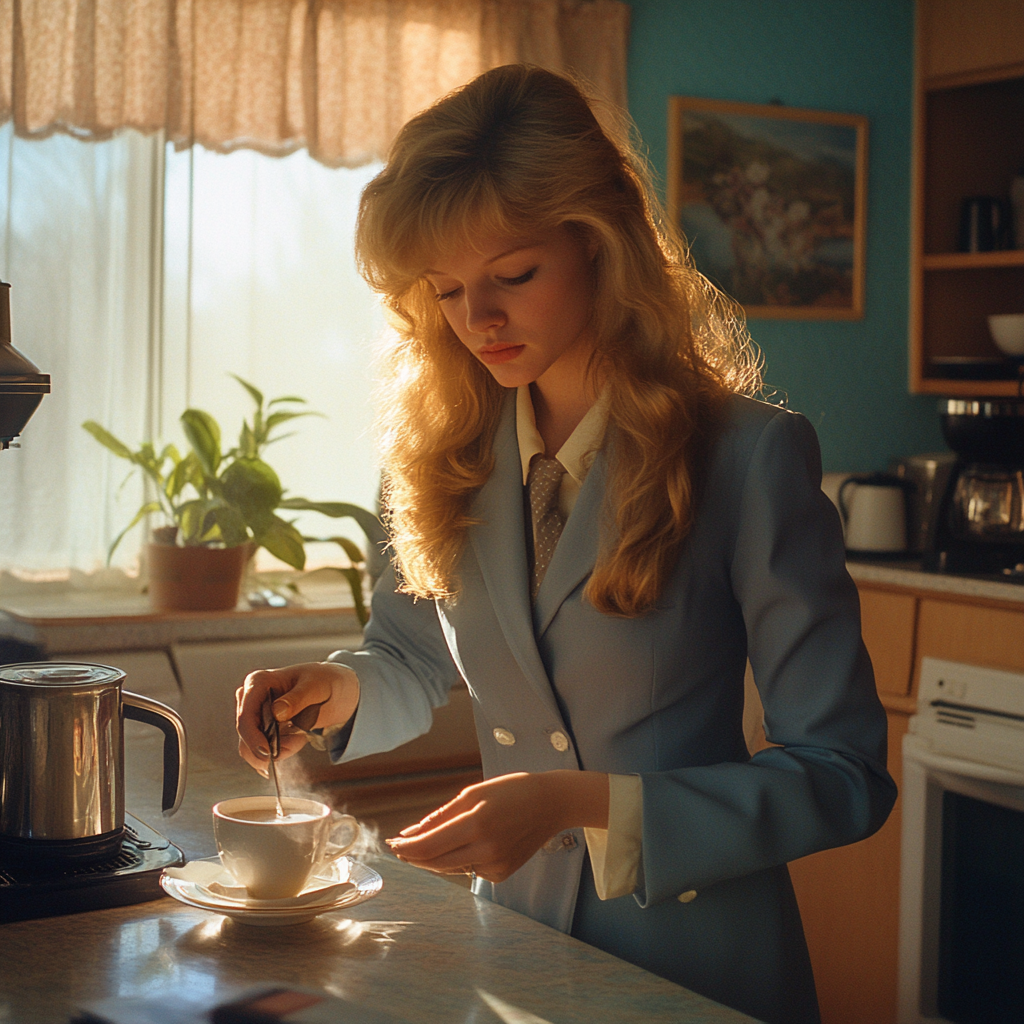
(334, 687)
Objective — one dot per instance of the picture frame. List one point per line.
(772, 202)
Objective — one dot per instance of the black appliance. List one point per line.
(131, 875)
(22, 386)
(980, 527)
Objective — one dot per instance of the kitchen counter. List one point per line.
(425, 949)
(910, 576)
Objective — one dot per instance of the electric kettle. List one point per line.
(874, 514)
(62, 760)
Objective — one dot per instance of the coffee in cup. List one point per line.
(274, 855)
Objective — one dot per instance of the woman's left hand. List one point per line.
(495, 827)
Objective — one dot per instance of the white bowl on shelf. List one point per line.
(1007, 330)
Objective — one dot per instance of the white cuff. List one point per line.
(615, 851)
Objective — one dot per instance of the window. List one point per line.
(141, 277)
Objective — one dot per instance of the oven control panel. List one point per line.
(971, 712)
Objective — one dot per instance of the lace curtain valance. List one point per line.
(336, 76)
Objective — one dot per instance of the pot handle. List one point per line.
(168, 721)
(844, 510)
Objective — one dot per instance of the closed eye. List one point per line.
(521, 279)
(449, 295)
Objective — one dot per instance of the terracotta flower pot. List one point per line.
(195, 579)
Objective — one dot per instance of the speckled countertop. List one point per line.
(910, 575)
(425, 950)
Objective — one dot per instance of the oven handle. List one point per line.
(914, 748)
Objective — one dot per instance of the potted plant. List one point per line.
(223, 506)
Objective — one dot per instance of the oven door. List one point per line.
(961, 943)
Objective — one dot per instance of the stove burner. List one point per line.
(130, 876)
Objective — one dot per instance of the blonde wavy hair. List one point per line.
(520, 150)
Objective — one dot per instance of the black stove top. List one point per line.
(131, 876)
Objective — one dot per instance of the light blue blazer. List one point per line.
(762, 576)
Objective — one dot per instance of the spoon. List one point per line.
(272, 731)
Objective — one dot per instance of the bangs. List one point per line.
(411, 228)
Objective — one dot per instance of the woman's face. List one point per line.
(520, 304)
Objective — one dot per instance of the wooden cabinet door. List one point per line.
(969, 633)
(962, 36)
(849, 901)
(887, 625)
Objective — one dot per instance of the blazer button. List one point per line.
(687, 897)
(560, 742)
(504, 737)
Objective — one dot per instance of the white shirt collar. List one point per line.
(577, 452)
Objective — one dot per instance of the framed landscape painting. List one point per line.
(772, 202)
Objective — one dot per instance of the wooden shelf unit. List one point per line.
(968, 141)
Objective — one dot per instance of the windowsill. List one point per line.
(108, 610)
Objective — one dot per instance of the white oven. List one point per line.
(961, 945)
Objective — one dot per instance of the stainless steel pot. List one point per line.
(62, 759)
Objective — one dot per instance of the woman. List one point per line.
(600, 605)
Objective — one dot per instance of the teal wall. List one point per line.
(853, 56)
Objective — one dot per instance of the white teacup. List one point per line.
(274, 857)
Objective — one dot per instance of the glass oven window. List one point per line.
(981, 931)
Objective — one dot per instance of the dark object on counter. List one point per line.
(22, 386)
(984, 224)
(980, 528)
(929, 475)
(62, 760)
(972, 367)
(131, 875)
(12, 650)
(984, 430)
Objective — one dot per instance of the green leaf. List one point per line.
(181, 475)
(283, 541)
(203, 435)
(355, 582)
(349, 547)
(150, 506)
(252, 487)
(256, 395)
(247, 447)
(229, 523)
(275, 419)
(368, 522)
(108, 440)
(286, 398)
(191, 518)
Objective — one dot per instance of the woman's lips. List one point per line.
(494, 354)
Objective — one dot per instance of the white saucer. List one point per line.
(365, 883)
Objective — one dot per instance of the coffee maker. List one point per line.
(22, 386)
(980, 527)
(66, 842)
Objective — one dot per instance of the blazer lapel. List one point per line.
(499, 542)
(576, 551)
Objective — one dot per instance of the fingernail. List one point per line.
(409, 831)
(282, 709)
(263, 752)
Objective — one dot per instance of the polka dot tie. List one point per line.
(543, 483)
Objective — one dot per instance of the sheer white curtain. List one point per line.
(76, 237)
